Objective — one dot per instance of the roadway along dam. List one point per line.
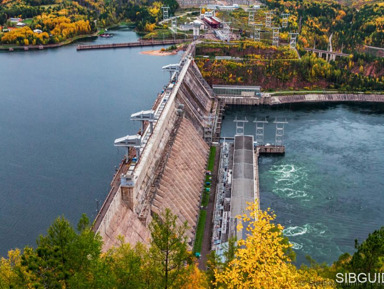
(167, 168)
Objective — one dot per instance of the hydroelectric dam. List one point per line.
(166, 162)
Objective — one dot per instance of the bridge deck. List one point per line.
(326, 52)
(131, 44)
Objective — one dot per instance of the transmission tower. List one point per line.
(227, 30)
(284, 22)
(165, 12)
(251, 16)
(260, 130)
(174, 22)
(279, 136)
(293, 40)
(275, 36)
(196, 30)
(268, 19)
(240, 125)
(256, 31)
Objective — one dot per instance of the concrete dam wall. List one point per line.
(183, 177)
(197, 97)
(171, 169)
(301, 98)
(347, 97)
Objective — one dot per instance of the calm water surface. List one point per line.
(60, 111)
(328, 189)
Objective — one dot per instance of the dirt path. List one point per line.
(206, 246)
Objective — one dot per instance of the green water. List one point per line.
(328, 189)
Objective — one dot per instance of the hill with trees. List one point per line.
(352, 26)
(279, 69)
(54, 21)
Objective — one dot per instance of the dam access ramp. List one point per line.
(166, 168)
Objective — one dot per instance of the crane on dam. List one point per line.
(129, 141)
(144, 115)
(173, 70)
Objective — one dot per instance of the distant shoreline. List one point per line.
(7, 47)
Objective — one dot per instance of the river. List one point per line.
(328, 189)
(60, 111)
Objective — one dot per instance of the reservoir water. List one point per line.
(328, 189)
(60, 111)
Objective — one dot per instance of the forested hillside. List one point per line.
(352, 26)
(280, 69)
(54, 21)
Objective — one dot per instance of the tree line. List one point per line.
(69, 258)
(73, 258)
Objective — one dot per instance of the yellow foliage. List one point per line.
(340, 15)
(261, 261)
(8, 272)
(155, 9)
(24, 36)
(63, 12)
(196, 280)
(149, 27)
(60, 27)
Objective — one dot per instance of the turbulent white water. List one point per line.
(290, 181)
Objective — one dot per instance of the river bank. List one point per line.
(159, 52)
(11, 47)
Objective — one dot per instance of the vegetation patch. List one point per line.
(246, 49)
(208, 177)
(211, 159)
(200, 232)
(204, 202)
(358, 72)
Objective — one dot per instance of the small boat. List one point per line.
(106, 35)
